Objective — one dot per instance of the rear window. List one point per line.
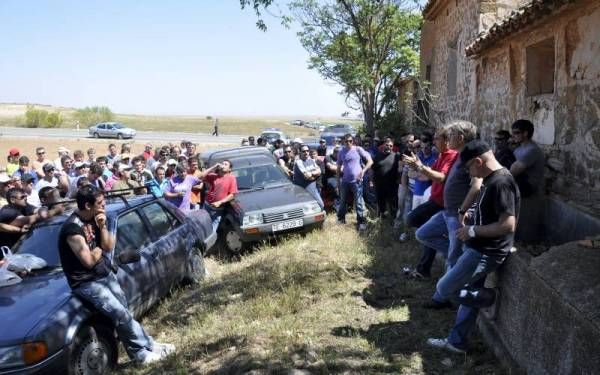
(41, 242)
(161, 221)
(132, 234)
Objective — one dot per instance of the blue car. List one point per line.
(47, 329)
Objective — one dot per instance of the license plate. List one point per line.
(288, 225)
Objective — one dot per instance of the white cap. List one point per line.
(125, 167)
(172, 162)
(4, 177)
(297, 140)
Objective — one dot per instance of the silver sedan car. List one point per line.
(111, 130)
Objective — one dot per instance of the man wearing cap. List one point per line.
(5, 184)
(124, 180)
(27, 184)
(12, 159)
(49, 178)
(487, 243)
(81, 170)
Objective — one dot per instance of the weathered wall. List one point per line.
(568, 120)
(455, 26)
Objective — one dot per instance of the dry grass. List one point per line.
(327, 302)
(13, 114)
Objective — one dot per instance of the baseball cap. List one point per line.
(322, 140)
(78, 164)
(14, 152)
(48, 167)
(63, 149)
(473, 149)
(125, 167)
(297, 140)
(4, 177)
(172, 162)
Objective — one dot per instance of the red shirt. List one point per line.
(220, 186)
(443, 164)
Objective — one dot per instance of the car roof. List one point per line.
(239, 156)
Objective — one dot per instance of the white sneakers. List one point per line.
(444, 344)
(159, 352)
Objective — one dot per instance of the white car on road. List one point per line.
(111, 130)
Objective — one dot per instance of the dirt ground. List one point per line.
(27, 146)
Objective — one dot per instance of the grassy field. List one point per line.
(327, 302)
(13, 114)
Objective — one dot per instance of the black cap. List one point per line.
(473, 149)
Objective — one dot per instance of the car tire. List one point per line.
(195, 269)
(93, 351)
(119, 136)
(96, 135)
(231, 240)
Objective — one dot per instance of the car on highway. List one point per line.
(111, 130)
(273, 134)
(48, 329)
(298, 122)
(339, 130)
(267, 204)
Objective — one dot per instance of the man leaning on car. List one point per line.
(83, 241)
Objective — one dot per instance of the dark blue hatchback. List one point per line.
(47, 329)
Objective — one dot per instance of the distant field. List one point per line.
(12, 115)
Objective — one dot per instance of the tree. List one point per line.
(34, 117)
(92, 115)
(53, 120)
(365, 46)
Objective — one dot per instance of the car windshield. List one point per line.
(41, 242)
(259, 176)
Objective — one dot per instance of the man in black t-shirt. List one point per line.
(486, 243)
(17, 216)
(84, 244)
(385, 177)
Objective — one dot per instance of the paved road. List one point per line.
(144, 136)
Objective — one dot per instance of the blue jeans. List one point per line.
(215, 215)
(107, 296)
(355, 188)
(312, 189)
(332, 183)
(463, 284)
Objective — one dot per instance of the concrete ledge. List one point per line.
(548, 320)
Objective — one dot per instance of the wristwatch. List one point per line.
(471, 231)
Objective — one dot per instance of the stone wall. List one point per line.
(568, 120)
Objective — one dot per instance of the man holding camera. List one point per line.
(83, 241)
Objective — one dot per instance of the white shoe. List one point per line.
(163, 349)
(444, 344)
(362, 227)
(150, 357)
(403, 237)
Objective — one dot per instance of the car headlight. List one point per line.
(311, 208)
(252, 219)
(11, 356)
(25, 354)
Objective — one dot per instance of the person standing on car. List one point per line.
(223, 188)
(306, 172)
(350, 160)
(84, 243)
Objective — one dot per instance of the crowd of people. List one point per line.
(461, 196)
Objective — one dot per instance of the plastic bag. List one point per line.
(7, 277)
(22, 262)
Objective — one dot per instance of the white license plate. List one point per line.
(288, 225)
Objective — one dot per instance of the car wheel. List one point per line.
(93, 351)
(232, 240)
(195, 267)
(119, 136)
(96, 135)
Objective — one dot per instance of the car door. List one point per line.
(140, 279)
(170, 241)
(109, 132)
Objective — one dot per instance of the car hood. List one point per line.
(272, 197)
(24, 305)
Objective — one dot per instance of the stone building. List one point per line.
(495, 61)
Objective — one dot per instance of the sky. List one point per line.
(176, 57)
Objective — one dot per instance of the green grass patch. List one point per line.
(327, 302)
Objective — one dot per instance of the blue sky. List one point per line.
(202, 57)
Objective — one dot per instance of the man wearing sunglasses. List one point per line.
(350, 161)
(306, 172)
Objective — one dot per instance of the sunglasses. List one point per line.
(348, 141)
(41, 153)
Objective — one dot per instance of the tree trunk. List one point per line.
(368, 107)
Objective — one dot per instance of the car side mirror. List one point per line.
(129, 256)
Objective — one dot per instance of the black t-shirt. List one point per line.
(456, 186)
(8, 214)
(319, 179)
(499, 195)
(322, 150)
(75, 271)
(329, 159)
(385, 167)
